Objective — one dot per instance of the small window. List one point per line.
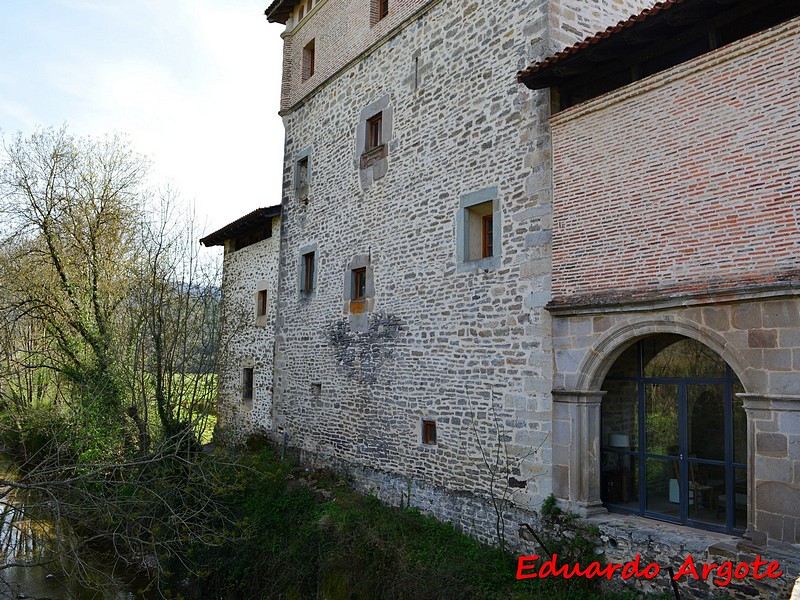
(487, 236)
(478, 240)
(301, 182)
(374, 131)
(302, 12)
(480, 231)
(429, 432)
(383, 8)
(359, 278)
(261, 303)
(309, 59)
(247, 383)
(307, 277)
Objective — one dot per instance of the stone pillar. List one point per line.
(576, 415)
(773, 468)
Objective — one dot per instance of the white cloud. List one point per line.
(194, 83)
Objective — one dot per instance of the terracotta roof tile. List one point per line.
(613, 30)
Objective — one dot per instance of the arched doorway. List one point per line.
(674, 435)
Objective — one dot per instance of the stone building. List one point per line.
(483, 292)
(249, 283)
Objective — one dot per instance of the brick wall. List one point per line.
(683, 181)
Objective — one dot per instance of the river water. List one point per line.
(23, 541)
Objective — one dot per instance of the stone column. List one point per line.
(773, 467)
(581, 410)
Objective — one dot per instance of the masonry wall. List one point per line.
(342, 30)
(248, 340)
(463, 344)
(685, 181)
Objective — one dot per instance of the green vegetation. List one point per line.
(305, 534)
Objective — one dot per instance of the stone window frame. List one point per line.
(428, 433)
(304, 290)
(463, 261)
(261, 300)
(366, 156)
(301, 191)
(365, 304)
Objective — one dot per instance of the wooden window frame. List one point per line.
(309, 264)
(359, 279)
(383, 9)
(262, 305)
(428, 432)
(248, 384)
(374, 132)
(487, 237)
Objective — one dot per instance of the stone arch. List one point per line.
(609, 346)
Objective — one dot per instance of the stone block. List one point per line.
(762, 338)
(777, 359)
(717, 318)
(778, 498)
(772, 444)
(560, 481)
(784, 383)
(781, 313)
(747, 316)
(773, 469)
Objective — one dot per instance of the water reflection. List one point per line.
(29, 567)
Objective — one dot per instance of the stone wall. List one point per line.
(463, 343)
(248, 339)
(466, 348)
(683, 181)
(758, 338)
(342, 30)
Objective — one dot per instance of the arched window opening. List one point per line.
(674, 436)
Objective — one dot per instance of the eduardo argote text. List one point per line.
(529, 567)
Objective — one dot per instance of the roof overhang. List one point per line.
(243, 226)
(280, 10)
(665, 24)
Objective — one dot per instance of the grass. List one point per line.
(305, 534)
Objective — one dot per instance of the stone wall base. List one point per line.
(623, 537)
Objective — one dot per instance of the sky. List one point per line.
(194, 84)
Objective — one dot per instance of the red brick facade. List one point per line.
(686, 181)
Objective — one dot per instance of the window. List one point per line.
(261, 303)
(309, 59)
(247, 383)
(674, 436)
(487, 236)
(477, 229)
(307, 272)
(373, 137)
(359, 279)
(429, 432)
(374, 132)
(301, 178)
(383, 8)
